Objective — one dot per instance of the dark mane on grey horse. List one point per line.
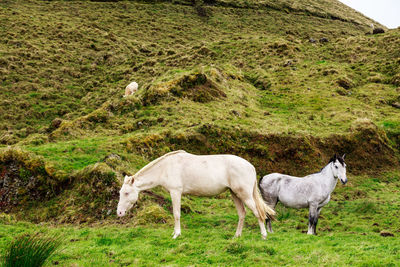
(333, 159)
(336, 157)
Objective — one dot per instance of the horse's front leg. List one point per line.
(312, 219)
(176, 207)
(316, 220)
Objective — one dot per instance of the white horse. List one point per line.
(313, 191)
(131, 88)
(180, 173)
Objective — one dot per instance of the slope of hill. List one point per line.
(215, 77)
(65, 59)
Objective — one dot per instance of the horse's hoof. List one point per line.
(264, 237)
(175, 236)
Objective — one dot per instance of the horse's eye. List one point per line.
(336, 167)
(126, 194)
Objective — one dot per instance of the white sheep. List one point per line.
(131, 89)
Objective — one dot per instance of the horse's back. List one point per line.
(211, 174)
(273, 183)
(269, 183)
(290, 190)
(221, 161)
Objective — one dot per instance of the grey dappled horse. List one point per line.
(312, 191)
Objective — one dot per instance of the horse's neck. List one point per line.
(328, 179)
(149, 179)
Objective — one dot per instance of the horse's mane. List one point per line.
(339, 158)
(151, 164)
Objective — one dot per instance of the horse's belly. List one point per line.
(208, 185)
(204, 190)
(294, 201)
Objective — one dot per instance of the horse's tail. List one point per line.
(263, 209)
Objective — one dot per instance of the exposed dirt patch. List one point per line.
(25, 178)
(296, 155)
(386, 233)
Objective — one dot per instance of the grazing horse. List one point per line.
(180, 173)
(313, 191)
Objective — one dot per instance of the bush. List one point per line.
(30, 250)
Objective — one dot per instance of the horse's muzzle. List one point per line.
(120, 213)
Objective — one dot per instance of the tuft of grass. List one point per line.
(30, 250)
(365, 207)
(236, 248)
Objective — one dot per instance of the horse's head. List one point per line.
(339, 168)
(128, 195)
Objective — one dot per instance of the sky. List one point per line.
(386, 12)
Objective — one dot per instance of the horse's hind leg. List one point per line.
(272, 203)
(251, 204)
(241, 213)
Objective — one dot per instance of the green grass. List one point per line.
(30, 250)
(73, 155)
(115, 246)
(348, 233)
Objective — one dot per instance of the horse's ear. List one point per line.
(334, 157)
(128, 180)
(344, 155)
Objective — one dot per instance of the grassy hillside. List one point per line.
(214, 77)
(251, 78)
(70, 58)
